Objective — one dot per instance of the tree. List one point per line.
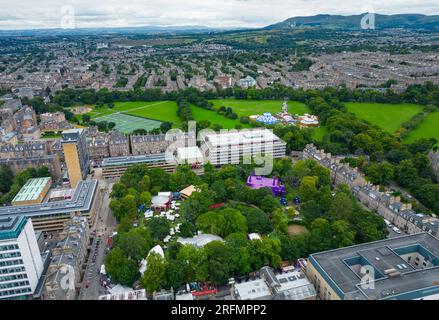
(6, 178)
(124, 207)
(279, 221)
(159, 227)
(154, 276)
(86, 118)
(135, 244)
(265, 252)
(239, 259)
(144, 198)
(121, 269)
(342, 235)
(195, 263)
(321, 236)
(269, 203)
(217, 257)
(257, 220)
(308, 188)
(222, 222)
(380, 173)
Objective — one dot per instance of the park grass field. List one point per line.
(252, 107)
(211, 115)
(385, 115)
(429, 128)
(319, 133)
(155, 112)
(162, 111)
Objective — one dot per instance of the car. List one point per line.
(387, 222)
(396, 230)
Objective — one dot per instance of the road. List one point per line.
(393, 234)
(104, 226)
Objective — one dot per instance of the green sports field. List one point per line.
(385, 115)
(429, 128)
(127, 124)
(252, 107)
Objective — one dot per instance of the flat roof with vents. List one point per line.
(395, 276)
(33, 191)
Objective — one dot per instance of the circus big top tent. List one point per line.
(267, 118)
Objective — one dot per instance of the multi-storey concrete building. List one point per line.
(52, 216)
(232, 146)
(115, 167)
(119, 144)
(21, 265)
(402, 268)
(75, 154)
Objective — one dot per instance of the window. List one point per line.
(10, 255)
(9, 247)
(11, 263)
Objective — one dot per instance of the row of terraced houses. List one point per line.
(391, 208)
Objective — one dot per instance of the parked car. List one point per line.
(396, 230)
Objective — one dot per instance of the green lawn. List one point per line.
(429, 128)
(213, 117)
(167, 111)
(162, 111)
(252, 107)
(385, 115)
(319, 133)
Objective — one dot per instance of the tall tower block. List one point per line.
(75, 153)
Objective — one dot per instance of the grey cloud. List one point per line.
(215, 13)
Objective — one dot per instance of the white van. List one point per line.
(396, 230)
(387, 223)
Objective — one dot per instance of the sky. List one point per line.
(42, 14)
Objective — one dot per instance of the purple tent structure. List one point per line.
(257, 182)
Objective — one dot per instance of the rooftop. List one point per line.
(129, 160)
(11, 226)
(71, 135)
(32, 189)
(81, 202)
(189, 154)
(233, 137)
(340, 267)
(252, 290)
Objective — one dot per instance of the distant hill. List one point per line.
(325, 21)
(145, 30)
